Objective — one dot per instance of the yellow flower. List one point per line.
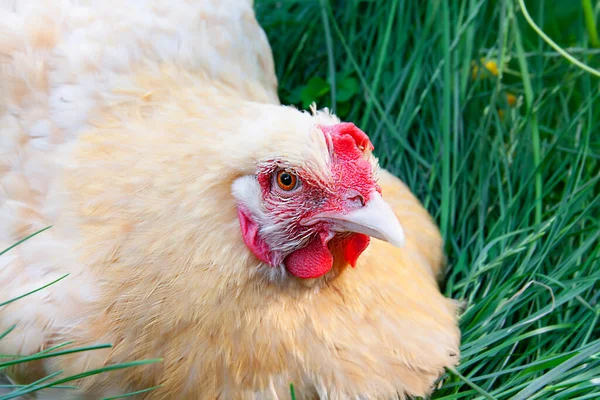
(491, 67)
(511, 99)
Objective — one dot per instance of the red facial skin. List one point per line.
(350, 187)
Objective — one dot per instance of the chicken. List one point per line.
(248, 244)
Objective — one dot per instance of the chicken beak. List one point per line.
(376, 219)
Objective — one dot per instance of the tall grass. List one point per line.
(498, 134)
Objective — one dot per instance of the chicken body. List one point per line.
(125, 126)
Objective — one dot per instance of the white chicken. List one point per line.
(199, 220)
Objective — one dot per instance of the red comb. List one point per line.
(348, 128)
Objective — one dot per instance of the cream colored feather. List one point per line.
(124, 124)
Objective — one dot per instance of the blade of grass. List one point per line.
(23, 240)
(469, 382)
(330, 55)
(43, 355)
(446, 107)
(590, 22)
(535, 134)
(133, 393)
(33, 291)
(556, 372)
(380, 61)
(82, 375)
(555, 46)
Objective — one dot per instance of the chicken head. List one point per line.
(300, 221)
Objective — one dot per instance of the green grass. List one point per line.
(515, 189)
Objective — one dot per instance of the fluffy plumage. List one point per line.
(125, 127)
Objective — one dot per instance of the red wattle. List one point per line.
(311, 261)
(355, 245)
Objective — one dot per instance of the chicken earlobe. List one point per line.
(251, 237)
(251, 216)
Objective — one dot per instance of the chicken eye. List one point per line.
(286, 180)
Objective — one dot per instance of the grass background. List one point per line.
(498, 135)
(506, 159)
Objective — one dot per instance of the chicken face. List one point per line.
(293, 219)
